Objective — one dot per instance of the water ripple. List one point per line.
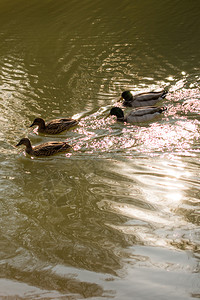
(118, 214)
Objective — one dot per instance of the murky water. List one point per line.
(118, 216)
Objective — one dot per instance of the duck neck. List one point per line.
(29, 148)
(120, 116)
(42, 125)
(120, 119)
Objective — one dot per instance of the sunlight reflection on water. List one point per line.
(163, 185)
(172, 132)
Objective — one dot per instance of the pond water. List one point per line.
(117, 217)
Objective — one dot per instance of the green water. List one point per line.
(118, 216)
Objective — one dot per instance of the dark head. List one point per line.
(24, 141)
(118, 112)
(127, 96)
(39, 122)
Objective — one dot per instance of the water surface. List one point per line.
(117, 216)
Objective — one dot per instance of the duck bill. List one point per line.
(31, 125)
(120, 99)
(18, 144)
(107, 116)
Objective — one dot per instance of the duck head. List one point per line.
(127, 96)
(24, 141)
(118, 112)
(38, 121)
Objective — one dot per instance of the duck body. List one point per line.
(45, 149)
(142, 99)
(54, 126)
(137, 115)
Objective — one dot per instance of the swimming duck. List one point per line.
(137, 115)
(54, 126)
(45, 149)
(142, 99)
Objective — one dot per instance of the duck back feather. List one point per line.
(54, 126)
(143, 114)
(143, 99)
(45, 149)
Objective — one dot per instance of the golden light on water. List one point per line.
(171, 131)
(162, 194)
(174, 198)
(143, 221)
(159, 137)
(161, 186)
(166, 137)
(117, 216)
(129, 210)
(96, 134)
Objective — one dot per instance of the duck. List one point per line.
(54, 126)
(137, 115)
(45, 149)
(142, 99)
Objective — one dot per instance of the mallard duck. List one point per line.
(54, 126)
(137, 115)
(142, 99)
(45, 149)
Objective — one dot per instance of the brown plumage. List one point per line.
(45, 149)
(54, 126)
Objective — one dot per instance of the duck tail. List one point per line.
(165, 92)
